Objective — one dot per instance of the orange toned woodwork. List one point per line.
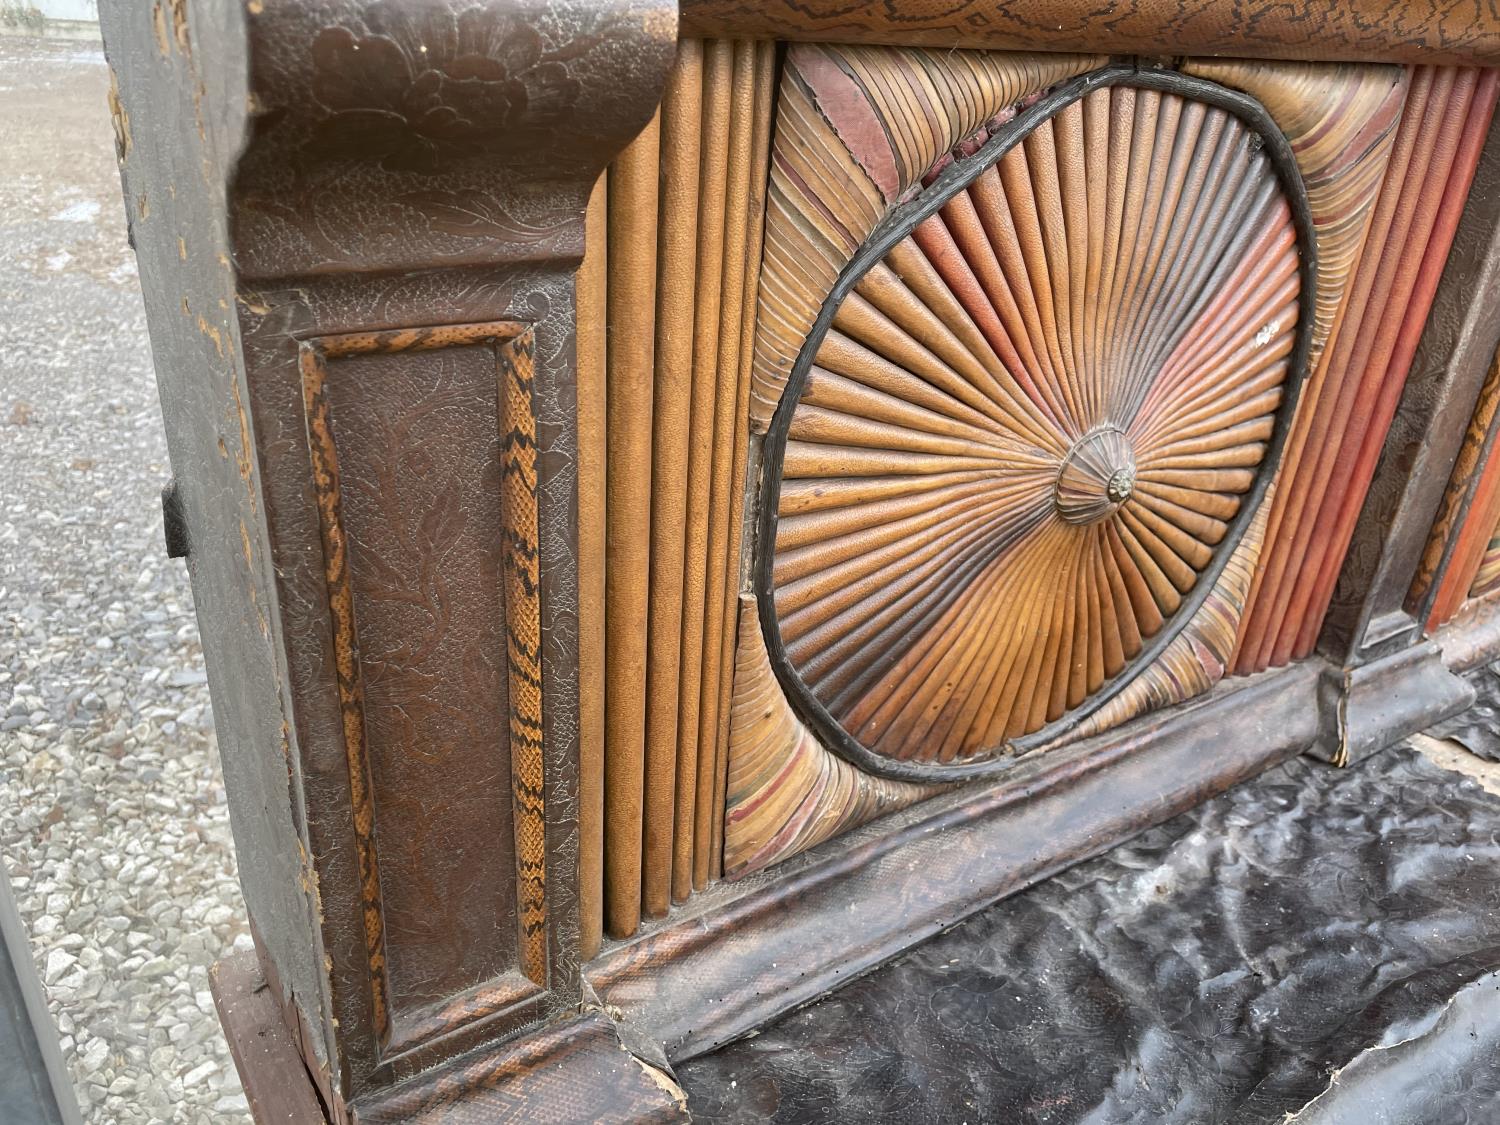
(785, 791)
(1032, 427)
(591, 289)
(732, 285)
(697, 193)
(631, 325)
(760, 144)
(1469, 528)
(713, 192)
(852, 137)
(1487, 577)
(1353, 393)
(681, 117)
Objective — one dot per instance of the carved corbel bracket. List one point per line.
(394, 135)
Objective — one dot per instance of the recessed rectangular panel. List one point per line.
(424, 466)
(419, 466)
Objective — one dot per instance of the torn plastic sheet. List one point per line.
(1244, 961)
(1445, 1068)
(1478, 728)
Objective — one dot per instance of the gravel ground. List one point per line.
(112, 816)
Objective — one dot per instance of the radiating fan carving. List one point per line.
(1031, 426)
(1096, 477)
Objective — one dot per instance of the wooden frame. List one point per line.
(341, 262)
(755, 949)
(383, 197)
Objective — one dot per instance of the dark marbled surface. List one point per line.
(1221, 967)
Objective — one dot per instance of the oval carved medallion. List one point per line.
(1032, 424)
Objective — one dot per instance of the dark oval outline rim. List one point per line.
(896, 225)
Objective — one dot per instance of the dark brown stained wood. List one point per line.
(323, 452)
(275, 1082)
(431, 666)
(1354, 30)
(575, 1072)
(592, 444)
(743, 956)
(682, 124)
(1354, 395)
(713, 193)
(365, 221)
(327, 276)
(631, 341)
(1386, 699)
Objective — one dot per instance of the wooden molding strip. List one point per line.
(1354, 30)
(592, 293)
(747, 954)
(630, 347)
(575, 1070)
(1472, 638)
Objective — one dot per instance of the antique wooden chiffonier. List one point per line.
(686, 501)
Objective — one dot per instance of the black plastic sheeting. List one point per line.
(1317, 942)
(1478, 728)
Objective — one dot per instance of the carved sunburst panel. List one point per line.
(1033, 422)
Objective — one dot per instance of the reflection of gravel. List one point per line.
(112, 814)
